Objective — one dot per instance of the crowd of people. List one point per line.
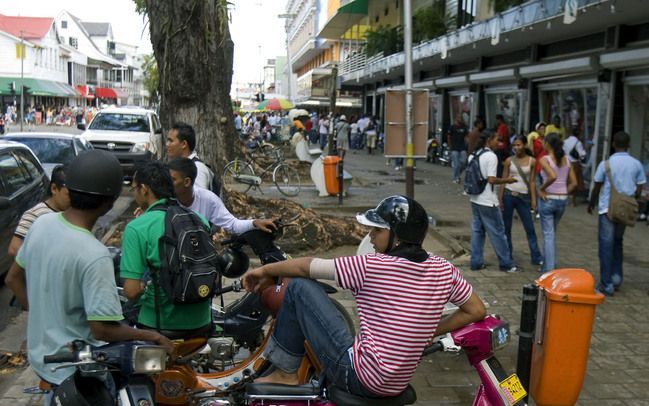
(50, 115)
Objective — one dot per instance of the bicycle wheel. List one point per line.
(232, 173)
(287, 180)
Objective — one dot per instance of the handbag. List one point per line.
(622, 209)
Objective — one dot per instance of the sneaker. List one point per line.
(643, 217)
(513, 269)
(456, 181)
(397, 168)
(479, 267)
(602, 290)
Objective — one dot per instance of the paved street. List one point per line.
(618, 357)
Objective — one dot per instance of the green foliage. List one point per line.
(384, 39)
(151, 77)
(430, 22)
(502, 5)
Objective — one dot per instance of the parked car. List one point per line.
(23, 183)
(132, 134)
(52, 149)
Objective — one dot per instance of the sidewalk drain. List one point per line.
(10, 361)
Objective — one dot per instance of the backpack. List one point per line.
(215, 186)
(474, 181)
(188, 261)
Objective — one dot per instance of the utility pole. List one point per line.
(289, 69)
(332, 108)
(22, 82)
(407, 48)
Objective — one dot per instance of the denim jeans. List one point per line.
(489, 219)
(458, 162)
(550, 212)
(610, 238)
(522, 206)
(323, 140)
(308, 314)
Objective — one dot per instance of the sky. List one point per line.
(257, 32)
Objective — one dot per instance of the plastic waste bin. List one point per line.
(331, 173)
(564, 324)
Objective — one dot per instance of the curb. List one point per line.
(16, 395)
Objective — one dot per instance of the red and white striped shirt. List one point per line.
(400, 303)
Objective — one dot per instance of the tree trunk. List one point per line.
(193, 49)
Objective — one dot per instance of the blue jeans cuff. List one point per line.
(281, 357)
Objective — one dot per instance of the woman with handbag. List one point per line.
(520, 196)
(559, 181)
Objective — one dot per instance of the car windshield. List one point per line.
(49, 150)
(120, 122)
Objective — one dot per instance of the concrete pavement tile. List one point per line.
(599, 402)
(452, 379)
(638, 376)
(640, 390)
(608, 376)
(636, 402)
(610, 391)
(608, 361)
(438, 396)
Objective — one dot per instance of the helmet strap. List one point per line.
(390, 241)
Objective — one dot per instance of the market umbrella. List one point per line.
(276, 104)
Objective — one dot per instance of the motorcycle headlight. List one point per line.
(140, 147)
(499, 336)
(149, 359)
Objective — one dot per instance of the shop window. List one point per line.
(576, 107)
(462, 105)
(506, 104)
(434, 116)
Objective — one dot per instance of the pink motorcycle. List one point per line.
(478, 341)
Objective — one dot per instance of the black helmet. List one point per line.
(95, 172)
(403, 216)
(234, 262)
(78, 390)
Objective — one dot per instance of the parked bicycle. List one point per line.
(240, 175)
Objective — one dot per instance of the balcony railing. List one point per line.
(353, 63)
(527, 14)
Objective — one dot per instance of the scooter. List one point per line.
(432, 153)
(478, 340)
(445, 155)
(130, 365)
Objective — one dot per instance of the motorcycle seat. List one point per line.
(278, 391)
(342, 397)
(201, 332)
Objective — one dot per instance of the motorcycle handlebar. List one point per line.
(434, 347)
(60, 358)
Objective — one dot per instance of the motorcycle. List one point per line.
(445, 155)
(479, 341)
(212, 369)
(432, 150)
(108, 373)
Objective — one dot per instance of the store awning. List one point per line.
(345, 17)
(37, 87)
(110, 93)
(86, 91)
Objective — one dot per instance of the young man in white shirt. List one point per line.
(485, 208)
(207, 204)
(181, 142)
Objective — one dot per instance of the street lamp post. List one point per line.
(22, 83)
(407, 48)
(287, 25)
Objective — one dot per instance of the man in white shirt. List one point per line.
(181, 142)
(207, 204)
(487, 216)
(575, 152)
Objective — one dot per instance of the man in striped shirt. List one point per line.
(400, 292)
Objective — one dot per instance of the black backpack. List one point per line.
(215, 186)
(474, 182)
(188, 261)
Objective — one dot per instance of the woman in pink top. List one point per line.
(559, 181)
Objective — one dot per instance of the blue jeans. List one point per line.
(308, 314)
(489, 219)
(550, 212)
(610, 238)
(522, 206)
(458, 161)
(323, 140)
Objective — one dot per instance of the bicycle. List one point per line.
(239, 175)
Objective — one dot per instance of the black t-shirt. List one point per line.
(458, 134)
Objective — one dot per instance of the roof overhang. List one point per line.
(625, 59)
(569, 66)
(345, 17)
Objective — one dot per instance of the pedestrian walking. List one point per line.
(370, 131)
(342, 136)
(558, 182)
(474, 134)
(324, 130)
(457, 144)
(520, 196)
(626, 176)
(486, 215)
(574, 149)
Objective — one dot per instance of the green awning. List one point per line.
(38, 87)
(344, 19)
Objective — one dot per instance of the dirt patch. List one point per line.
(314, 231)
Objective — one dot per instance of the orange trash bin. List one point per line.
(564, 324)
(330, 164)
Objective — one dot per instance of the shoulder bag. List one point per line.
(622, 209)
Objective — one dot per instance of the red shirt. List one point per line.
(308, 125)
(539, 152)
(400, 303)
(503, 136)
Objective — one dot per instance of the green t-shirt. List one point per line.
(139, 249)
